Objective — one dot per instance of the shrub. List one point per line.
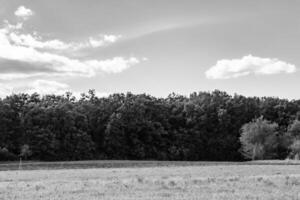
(5, 155)
(295, 149)
(294, 130)
(259, 140)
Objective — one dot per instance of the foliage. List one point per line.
(202, 126)
(295, 149)
(294, 130)
(5, 155)
(259, 139)
(25, 151)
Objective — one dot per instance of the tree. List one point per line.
(5, 155)
(259, 139)
(202, 126)
(136, 130)
(294, 130)
(70, 128)
(295, 149)
(25, 151)
(43, 144)
(293, 139)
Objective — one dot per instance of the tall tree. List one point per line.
(259, 139)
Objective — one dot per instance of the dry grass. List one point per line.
(176, 182)
(29, 165)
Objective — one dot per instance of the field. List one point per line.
(150, 180)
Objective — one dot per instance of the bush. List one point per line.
(295, 149)
(259, 139)
(5, 155)
(294, 130)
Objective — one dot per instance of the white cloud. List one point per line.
(111, 38)
(42, 87)
(36, 41)
(102, 40)
(225, 69)
(21, 57)
(23, 12)
(5, 90)
(28, 55)
(12, 27)
(46, 87)
(29, 40)
(115, 65)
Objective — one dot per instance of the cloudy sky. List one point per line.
(156, 47)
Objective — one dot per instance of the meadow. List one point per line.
(152, 180)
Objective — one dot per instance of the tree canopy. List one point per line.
(201, 126)
(259, 139)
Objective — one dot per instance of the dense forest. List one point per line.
(203, 126)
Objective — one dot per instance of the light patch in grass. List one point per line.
(184, 183)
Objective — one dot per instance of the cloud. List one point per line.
(29, 40)
(115, 65)
(5, 90)
(23, 12)
(46, 87)
(26, 56)
(28, 62)
(36, 41)
(42, 87)
(21, 57)
(103, 40)
(225, 69)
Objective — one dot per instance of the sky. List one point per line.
(155, 47)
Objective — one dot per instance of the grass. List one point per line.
(152, 180)
(101, 164)
(29, 165)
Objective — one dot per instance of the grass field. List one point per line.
(152, 180)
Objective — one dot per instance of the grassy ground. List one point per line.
(29, 165)
(102, 164)
(202, 181)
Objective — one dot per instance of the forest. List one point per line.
(210, 126)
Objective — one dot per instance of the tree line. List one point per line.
(201, 126)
